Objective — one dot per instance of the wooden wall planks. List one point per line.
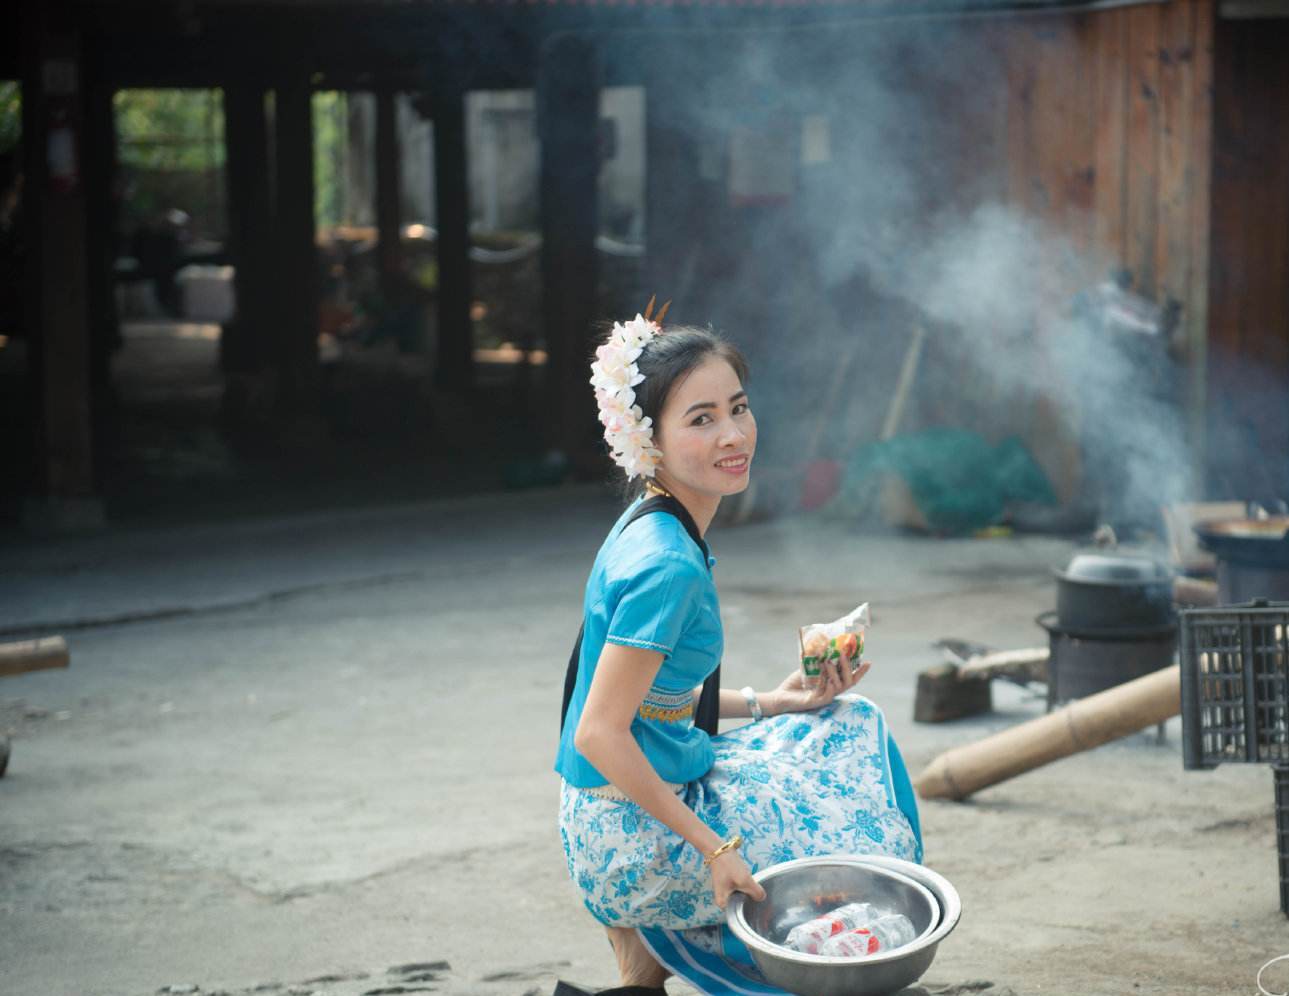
(1108, 136)
(1175, 181)
(1109, 45)
(1143, 144)
(1249, 287)
(1109, 139)
(1196, 304)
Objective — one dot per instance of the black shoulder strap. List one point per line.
(707, 716)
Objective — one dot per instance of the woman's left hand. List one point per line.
(793, 695)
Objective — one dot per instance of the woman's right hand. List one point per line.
(731, 874)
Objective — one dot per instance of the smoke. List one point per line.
(906, 221)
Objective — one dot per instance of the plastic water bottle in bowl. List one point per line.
(809, 936)
(885, 933)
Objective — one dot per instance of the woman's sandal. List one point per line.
(563, 988)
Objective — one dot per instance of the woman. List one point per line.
(661, 821)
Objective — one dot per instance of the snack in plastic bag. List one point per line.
(841, 640)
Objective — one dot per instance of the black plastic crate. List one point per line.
(1282, 833)
(1235, 698)
(1235, 685)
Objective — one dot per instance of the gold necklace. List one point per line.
(657, 489)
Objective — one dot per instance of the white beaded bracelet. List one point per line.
(752, 703)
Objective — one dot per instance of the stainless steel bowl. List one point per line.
(791, 889)
(794, 899)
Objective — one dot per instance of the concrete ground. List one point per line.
(313, 755)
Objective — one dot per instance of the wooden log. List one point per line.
(944, 694)
(908, 372)
(1079, 726)
(33, 655)
(1194, 591)
(1026, 664)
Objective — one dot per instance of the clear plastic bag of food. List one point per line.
(838, 642)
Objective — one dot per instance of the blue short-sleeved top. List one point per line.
(650, 588)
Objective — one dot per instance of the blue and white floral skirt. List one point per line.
(795, 786)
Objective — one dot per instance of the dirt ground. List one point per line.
(312, 755)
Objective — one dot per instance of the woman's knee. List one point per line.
(636, 963)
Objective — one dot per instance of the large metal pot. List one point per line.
(1111, 589)
(1252, 556)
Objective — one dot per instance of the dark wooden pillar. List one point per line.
(672, 219)
(388, 223)
(101, 239)
(296, 282)
(54, 204)
(455, 368)
(568, 96)
(250, 239)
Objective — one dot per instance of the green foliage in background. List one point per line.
(170, 147)
(330, 114)
(10, 114)
(170, 129)
(175, 132)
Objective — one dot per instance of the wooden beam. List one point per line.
(242, 345)
(1142, 201)
(1023, 187)
(100, 241)
(1110, 76)
(63, 491)
(297, 283)
(671, 179)
(455, 367)
(568, 99)
(389, 241)
(1199, 230)
(1066, 94)
(1176, 67)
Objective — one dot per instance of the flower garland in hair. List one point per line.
(614, 375)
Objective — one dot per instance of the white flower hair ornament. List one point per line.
(614, 375)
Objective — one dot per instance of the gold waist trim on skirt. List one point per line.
(611, 791)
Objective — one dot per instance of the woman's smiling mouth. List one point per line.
(733, 465)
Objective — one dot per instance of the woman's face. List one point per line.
(707, 433)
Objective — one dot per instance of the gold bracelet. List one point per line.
(733, 844)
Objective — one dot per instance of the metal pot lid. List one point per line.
(1272, 529)
(1251, 542)
(1109, 567)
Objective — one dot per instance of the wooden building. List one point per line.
(1148, 135)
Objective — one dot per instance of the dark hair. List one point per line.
(668, 359)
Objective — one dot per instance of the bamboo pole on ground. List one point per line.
(33, 655)
(1079, 726)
